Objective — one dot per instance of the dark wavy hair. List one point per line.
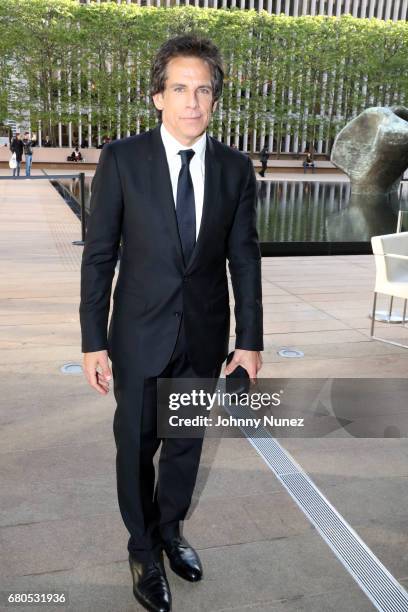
(187, 45)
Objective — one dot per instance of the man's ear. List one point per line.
(214, 105)
(158, 100)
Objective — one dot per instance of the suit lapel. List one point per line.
(161, 189)
(162, 193)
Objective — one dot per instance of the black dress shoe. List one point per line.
(183, 559)
(150, 586)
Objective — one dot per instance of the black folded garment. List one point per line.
(238, 381)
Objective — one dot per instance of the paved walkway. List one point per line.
(60, 527)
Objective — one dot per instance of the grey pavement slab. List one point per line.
(361, 500)
(333, 350)
(385, 461)
(255, 575)
(382, 366)
(67, 426)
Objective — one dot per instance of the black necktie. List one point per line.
(185, 206)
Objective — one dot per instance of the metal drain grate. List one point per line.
(383, 590)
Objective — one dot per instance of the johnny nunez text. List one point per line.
(231, 421)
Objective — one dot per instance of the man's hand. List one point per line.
(97, 370)
(251, 361)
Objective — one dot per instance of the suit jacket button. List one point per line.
(177, 314)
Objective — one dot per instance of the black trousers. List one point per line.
(151, 512)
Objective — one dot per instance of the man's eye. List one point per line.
(205, 90)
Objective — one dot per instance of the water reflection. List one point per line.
(290, 211)
(302, 211)
(363, 217)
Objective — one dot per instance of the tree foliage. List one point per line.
(70, 62)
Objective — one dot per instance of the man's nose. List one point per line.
(192, 99)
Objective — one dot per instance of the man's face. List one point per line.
(187, 101)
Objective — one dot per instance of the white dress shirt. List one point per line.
(197, 168)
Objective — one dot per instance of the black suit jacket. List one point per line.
(132, 198)
(17, 147)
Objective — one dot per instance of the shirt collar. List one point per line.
(173, 146)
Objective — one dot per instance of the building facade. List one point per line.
(381, 9)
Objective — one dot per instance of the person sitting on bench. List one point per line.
(75, 156)
(309, 163)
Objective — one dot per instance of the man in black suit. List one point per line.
(182, 203)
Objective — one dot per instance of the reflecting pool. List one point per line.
(313, 217)
(323, 217)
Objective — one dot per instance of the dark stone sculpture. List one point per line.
(372, 149)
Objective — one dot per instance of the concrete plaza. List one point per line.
(60, 524)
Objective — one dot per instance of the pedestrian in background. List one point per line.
(75, 156)
(17, 147)
(28, 152)
(264, 156)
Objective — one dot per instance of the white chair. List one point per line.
(391, 264)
